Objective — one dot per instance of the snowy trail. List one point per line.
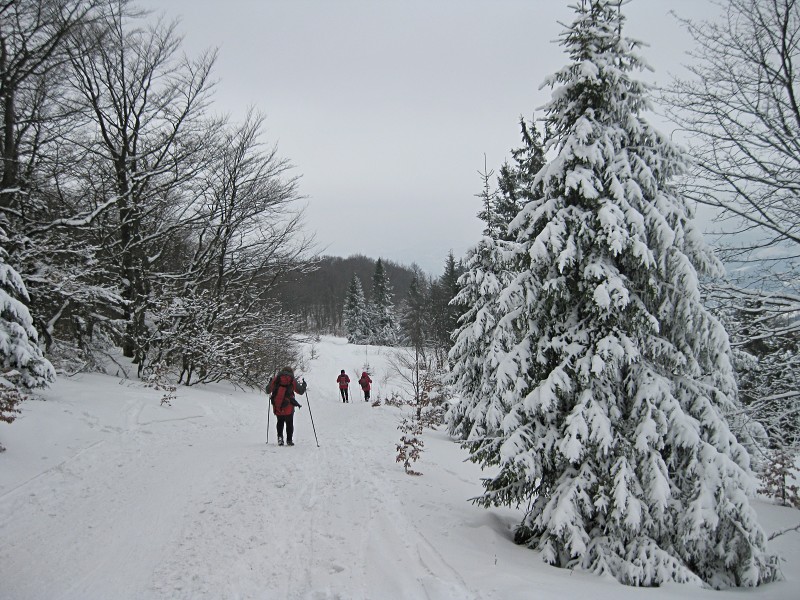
(105, 494)
(201, 507)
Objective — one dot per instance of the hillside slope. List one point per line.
(104, 493)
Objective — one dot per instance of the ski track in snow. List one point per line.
(106, 495)
(306, 522)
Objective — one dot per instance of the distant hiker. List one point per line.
(365, 382)
(344, 382)
(281, 392)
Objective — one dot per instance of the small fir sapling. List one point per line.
(411, 444)
(428, 410)
(158, 379)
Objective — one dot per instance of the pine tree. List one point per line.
(23, 365)
(445, 309)
(356, 322)
(479, 342)
(610, 420)
(383, 322)
(449, 283)
(515, 181)
(415, 321)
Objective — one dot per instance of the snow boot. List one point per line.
(280, 441)
(290, 443)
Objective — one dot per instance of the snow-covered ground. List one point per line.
(106, 494)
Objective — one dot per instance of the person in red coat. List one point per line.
(281, 390)
(343, 381)
(365, 382)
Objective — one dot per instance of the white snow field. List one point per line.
(105, 494)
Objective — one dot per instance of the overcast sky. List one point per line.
(387, 107)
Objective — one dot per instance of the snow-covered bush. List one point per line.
(204, 340)
(779, 477)
(411, 444)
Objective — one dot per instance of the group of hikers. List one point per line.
(283, 387)
(344, 385)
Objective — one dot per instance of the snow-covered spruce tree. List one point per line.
(415, 320)
(23, 365)
(383, 323)
(610, 425)
(479, 343)
(515, 180)
(444, 309)
(356, 322)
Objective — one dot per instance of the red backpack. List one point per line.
(282, 389)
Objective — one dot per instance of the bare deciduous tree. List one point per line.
(741, 113)
(32, 47)
(246, 236)
(147, 124)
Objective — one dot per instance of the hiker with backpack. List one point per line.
(344, 382)
(365, 382)
(281, 392)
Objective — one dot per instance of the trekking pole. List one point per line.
(268, 407)
(308, 401)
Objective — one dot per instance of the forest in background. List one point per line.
(317, 297)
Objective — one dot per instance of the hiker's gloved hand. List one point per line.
(296, 403)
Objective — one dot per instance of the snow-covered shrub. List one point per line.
(779, 477)
(206, 340)
(411, 444)
(157, 376)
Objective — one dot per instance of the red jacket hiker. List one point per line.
(281, 390)
(343, 381)
(365, 382)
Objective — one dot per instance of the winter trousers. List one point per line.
(366, 395)
(289, 420)
(343, 392)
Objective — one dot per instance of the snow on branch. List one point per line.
(776, 534)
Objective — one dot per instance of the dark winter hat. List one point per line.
(289, 370)
(342, 370)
